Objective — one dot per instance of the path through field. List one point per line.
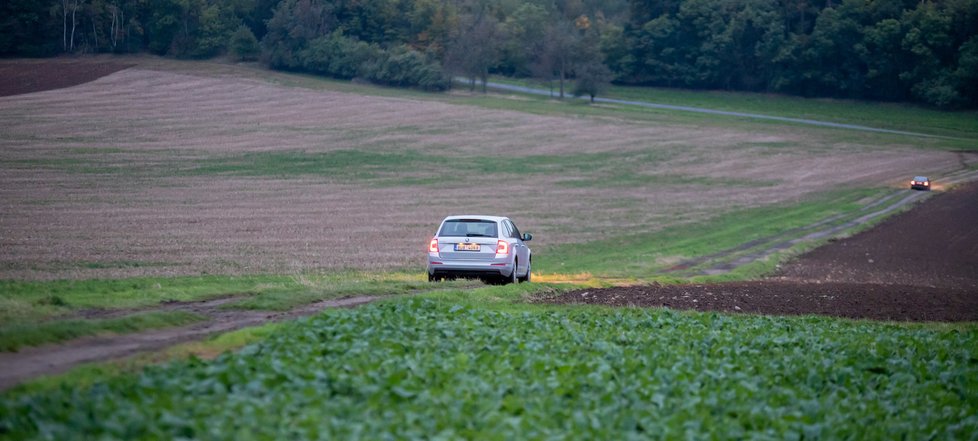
(53, 359)
(803, 121)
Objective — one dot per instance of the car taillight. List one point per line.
(502, 247)
(926, 183)
(913, 182)
(433, 245)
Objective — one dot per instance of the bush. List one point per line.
(338, 56)
(244, 45)
(405, 67)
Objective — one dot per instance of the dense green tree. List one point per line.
(337, 55)
(525, 31)
(293, 25)
(28, 27)
(919, 50)
(244, 45)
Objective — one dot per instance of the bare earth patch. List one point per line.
(94, 181)
(921, 265)
(26, 76)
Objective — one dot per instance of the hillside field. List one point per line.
(173, 195)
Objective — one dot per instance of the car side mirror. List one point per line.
(527, 237)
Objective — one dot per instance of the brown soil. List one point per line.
(28, 76)
(921, 265)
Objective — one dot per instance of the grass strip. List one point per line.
(30, 302)
(893, 116)
(19, 335)
(646, 255)
(86, 375)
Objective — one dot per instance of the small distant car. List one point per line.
(486, 247)
(920, 183)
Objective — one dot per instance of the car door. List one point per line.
(522, 251)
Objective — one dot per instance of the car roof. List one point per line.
(920, 178)
(476, 216)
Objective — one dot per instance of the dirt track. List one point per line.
(53, 359)
(921, 265)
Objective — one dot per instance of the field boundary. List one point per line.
(725, 261)
(703, 110)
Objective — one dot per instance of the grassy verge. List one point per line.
(40, 312)
(436, 368)
(328, 286)
(893, 116)
(86, 375)
(41, 299)
(18, 335)
(645, 256)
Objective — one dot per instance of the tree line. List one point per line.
(893, 50)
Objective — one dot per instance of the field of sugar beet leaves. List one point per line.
(445, 368)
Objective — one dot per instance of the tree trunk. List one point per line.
(94, 34)
(74, 23)
(112, 28)
(562, 79)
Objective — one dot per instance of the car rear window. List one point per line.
(469, 228)
(920, 178)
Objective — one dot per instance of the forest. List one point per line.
(889, 50)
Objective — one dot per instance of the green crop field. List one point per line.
(449, 369)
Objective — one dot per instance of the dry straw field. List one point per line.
(162, 171)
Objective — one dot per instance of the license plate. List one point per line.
(467, 247)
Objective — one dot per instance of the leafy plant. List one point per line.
(434, 369)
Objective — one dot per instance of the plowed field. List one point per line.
(163, 171)
(921, 265)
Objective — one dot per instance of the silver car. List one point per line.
(487, 247)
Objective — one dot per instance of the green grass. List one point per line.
(25, 301)
(385, 168)
(85, 375)
(39, 312)
(18, 335)
(644, 256)
(327, 286)
(893, 116)
(346, 164)
(435, 369)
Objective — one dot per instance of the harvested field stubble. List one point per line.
(148, 172)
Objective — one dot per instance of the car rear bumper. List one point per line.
(920, 187)
(469, 269)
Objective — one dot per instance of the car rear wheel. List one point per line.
(526, 278)
(513, 278)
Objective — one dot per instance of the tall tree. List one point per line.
(562, 39)
(475, 49)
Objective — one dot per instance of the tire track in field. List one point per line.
(57, 358)
(727, 260)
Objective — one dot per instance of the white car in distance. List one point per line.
(487, 247)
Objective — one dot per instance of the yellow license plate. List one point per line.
(467, 247)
